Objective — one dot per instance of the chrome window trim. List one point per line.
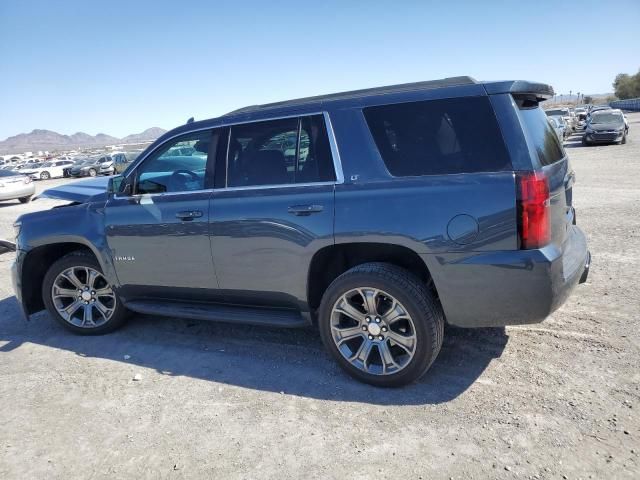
(227, 189)
(279, 185)
(335, 155)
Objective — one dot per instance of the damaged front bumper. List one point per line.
(6, 246)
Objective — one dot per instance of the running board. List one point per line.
(271, 317)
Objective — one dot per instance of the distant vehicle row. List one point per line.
(601, 124)
(78, 167)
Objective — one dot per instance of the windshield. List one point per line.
(606, 118)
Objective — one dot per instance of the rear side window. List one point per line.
(538, 131)
(436, 137)
(279, 152)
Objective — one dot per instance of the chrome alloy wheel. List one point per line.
(373, 331)
(83, 297)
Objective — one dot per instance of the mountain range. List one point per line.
(49, 140)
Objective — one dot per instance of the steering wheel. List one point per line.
(177, 176)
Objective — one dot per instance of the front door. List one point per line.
(159, 232)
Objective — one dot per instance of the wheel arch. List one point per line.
(36, 263)
(330, 262)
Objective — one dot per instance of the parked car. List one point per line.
(559, 127)
(566, 114)
(15, 185)
(90, 167)
(595, 109)
(410, 206)
(122, 160)
(606, 126)
(47, 170)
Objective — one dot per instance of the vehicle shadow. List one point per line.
(276, 360)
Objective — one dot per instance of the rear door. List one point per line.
(159, 235)
(273, 209)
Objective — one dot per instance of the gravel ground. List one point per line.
(554, 400)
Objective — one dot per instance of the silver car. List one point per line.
(14, 185)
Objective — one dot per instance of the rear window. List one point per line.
(435, 137)
(539, 133)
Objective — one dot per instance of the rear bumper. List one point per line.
(508, 287)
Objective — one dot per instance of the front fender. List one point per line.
(74, 224)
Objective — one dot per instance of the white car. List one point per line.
(47, 170)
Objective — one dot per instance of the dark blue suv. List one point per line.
(380, 215)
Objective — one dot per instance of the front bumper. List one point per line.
(16, 268)
(6, 246)
(488, 289)
(603, 137)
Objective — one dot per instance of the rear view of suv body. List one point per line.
(380, 214)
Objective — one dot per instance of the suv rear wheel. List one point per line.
(381, 324)
(77, 295)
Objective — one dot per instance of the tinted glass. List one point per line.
(269, 153)
(315, 163)
(178, 167)
(8, 173)
(539, 133)
(262, 153)
(435, 137)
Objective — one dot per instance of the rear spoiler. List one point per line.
(542, 91)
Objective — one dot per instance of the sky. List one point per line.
(119, 67)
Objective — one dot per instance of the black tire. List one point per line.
(418, 300)
(45, 175)
(25, 199)
(624, 139)
(79, 259)
(584, 142)
(92, 172)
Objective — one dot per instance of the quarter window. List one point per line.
(435, 137)
(179, 166)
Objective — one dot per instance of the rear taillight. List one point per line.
(533, 210)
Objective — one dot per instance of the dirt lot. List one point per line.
(555, 400)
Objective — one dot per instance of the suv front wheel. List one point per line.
(381, 324)
(77, 294)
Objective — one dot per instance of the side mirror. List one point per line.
(118, 185)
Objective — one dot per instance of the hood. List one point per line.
(80, 192)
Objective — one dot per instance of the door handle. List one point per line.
(305, 210)
(189, 215)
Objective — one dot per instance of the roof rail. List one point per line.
(426, 85)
